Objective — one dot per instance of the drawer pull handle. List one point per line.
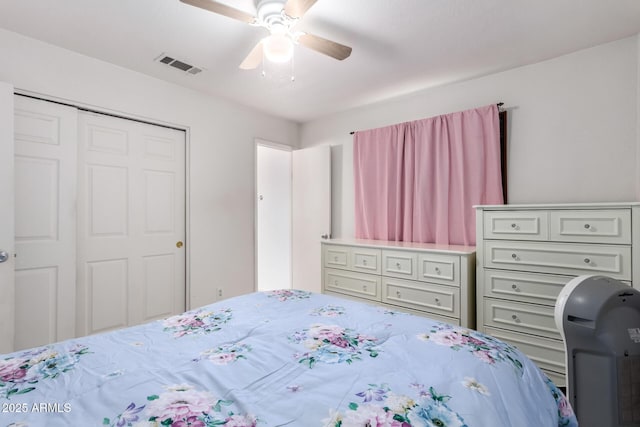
(398, 266)
(335, 258)
(364, 262)
(335, 282)
(514, 286)
(514, 256)
(437, 270)
(587, 261)
(515, 318)
(514, 225)
(587, 226)
(438, 301)
(398, 294)
(364, 288)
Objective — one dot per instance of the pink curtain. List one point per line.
(418, 181)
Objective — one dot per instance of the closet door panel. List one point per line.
(131, 213)
(36, 319)
(159, 271)
(38, 198)
(107, 205)
(107, 285)
(45, 136)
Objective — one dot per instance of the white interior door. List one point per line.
(131, 222)
(311, 214)
(273, 228)
(7, 234)
(45, 221)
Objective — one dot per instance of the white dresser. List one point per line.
(436, 281)
(527, 253)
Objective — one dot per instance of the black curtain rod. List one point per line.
(499, 104)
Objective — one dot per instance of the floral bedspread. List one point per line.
(281, 358)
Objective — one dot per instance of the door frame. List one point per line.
(7, 213)
(276, 146)
(151, 121)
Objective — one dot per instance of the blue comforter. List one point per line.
(281, 358)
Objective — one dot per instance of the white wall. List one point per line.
(573, 127)
(221, 157)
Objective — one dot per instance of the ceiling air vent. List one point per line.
(177, 64)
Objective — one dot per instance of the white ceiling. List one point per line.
(399, 46)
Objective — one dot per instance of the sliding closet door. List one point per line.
(131, 222)
(45, 221)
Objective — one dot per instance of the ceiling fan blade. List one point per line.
(328, 47)
(221, 9)
(253, 59)
(297, 8)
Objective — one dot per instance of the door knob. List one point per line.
(179, 244)
(325, 236)
(4, 255)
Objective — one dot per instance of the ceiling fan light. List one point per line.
(278, 48)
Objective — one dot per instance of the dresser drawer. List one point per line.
(521, 317)
(352, 283)
(527, 287)
(336, 256)
(443, 300)
(593, 226)
(560, 258)
(522, 225)
(547, 353)
(365, 260)
(439, 268)
(400, 264)
(430, 315)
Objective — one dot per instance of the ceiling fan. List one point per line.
(278, 17)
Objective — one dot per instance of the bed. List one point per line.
(281, 358)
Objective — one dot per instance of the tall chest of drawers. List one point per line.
(527, 253)
(437, 281)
